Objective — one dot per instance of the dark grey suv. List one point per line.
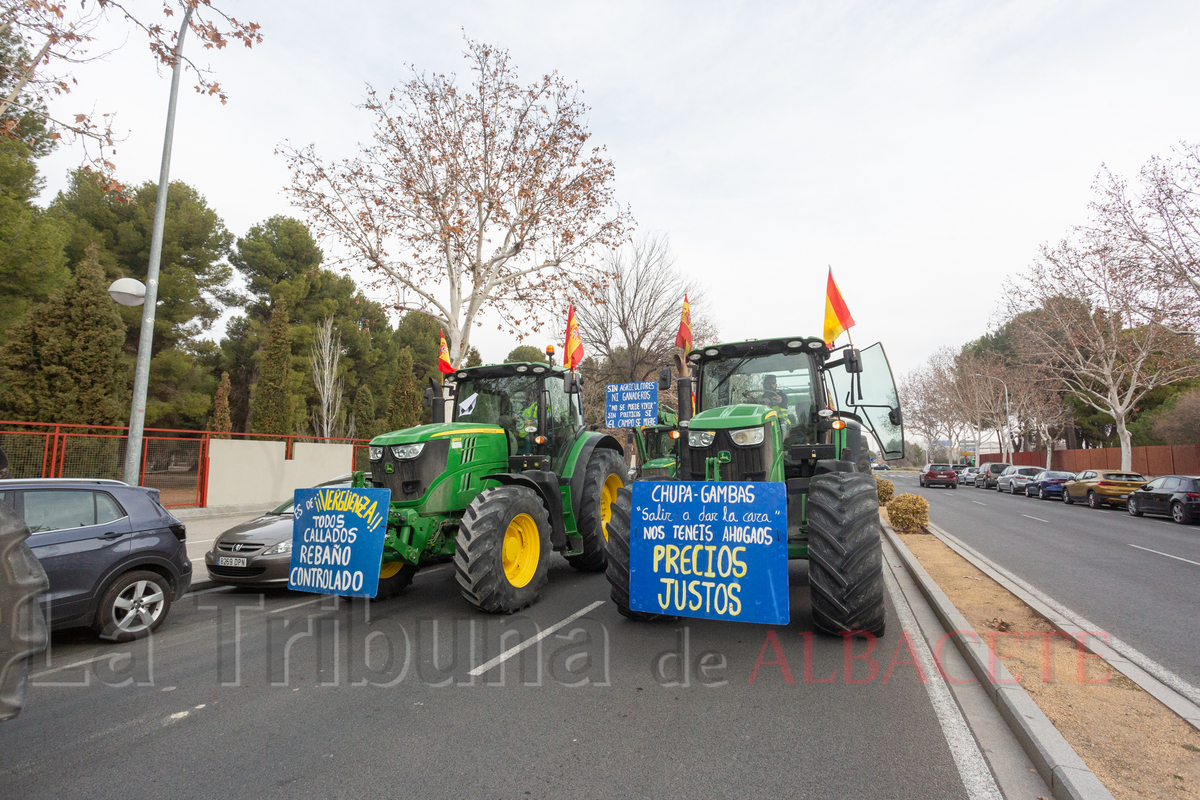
(115, 557)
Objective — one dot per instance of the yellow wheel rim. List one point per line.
(608, 493)
(389, 569)
(522, 550)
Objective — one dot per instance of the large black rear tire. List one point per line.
(22, 625)
(605, 477)
(618, 558)
(845, 552)
(502, 549)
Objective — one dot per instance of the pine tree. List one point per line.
(364, 413)
(273, 401)
(63, 359)
(404, 407)
(221, 422)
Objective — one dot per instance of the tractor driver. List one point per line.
(771, 396)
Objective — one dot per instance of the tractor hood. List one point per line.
(729, 417)
(433, 432)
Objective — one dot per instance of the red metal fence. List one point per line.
(173, 461)
(1180, 459)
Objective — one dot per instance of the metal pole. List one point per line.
(1007, 412)
(141, 375)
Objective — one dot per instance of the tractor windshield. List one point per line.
(510, 403)
(873, 397)
(779, 380)
(659, 443)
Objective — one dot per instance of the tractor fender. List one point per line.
(580, 471)
(545, 484)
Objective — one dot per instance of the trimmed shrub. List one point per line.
(887, 490)
(908, 513)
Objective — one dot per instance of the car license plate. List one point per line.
(227, 561)
(1124, 497)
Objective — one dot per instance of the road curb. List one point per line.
(1188, 711)
(1068, 777)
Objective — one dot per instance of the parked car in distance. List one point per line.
(968, 475)
(938, 475)
(1047, 484)
(880, 467)
(259, 552)
(1099, 488)
(1177, 496)
(1013, 479)
(989, 473)
(115, 557)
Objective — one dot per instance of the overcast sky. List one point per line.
(923, 149)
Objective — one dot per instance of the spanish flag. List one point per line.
(573, 349)
(444, 365)
(684, 337)
(837, 316)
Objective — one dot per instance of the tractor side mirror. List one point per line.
(571, 383)
(664, 378)
(853, 361)
(428, 397)
(894, 416)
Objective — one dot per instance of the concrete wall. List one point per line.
(246, 473)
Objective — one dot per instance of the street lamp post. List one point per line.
(141, 375)
(1007, 412)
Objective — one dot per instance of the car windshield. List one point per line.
(1122, 476)
(1029, 471)
(1060, 476)
(493, 401)
(286, 506)
(940, 466)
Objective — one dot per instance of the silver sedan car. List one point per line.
(1013, 479)
(258, 552)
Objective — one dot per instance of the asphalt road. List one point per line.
(1137, 578)
(244, 693)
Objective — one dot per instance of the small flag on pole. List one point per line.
(837, 316)
(573, 349)
(684, 337)
(444, 365)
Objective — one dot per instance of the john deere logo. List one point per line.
(389, 468)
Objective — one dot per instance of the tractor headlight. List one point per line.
(747, 436)
(375, 453)
(700, 439)
(283, 547)
(403, 452)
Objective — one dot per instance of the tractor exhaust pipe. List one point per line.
(683, 394)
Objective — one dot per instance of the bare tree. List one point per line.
(979, 392)
(632, 325)
(1096, 327)
(60, 34)
(1180, 424)
(1156, 230)
(328, 420)
(468, 199)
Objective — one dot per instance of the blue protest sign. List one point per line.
(337, 540)
(714, 550)
(631, 405)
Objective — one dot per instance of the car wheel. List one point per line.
(1180, 514)
(1094, 501)
(1042, 493)
(1067, 497)
(1132, 508)
(135, 604)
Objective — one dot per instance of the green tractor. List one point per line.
(657, 445)
(511, 476)
(796, 412)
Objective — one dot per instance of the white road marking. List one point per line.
(972, 768)
(976, 502)
(1039, 519)
(1168, 555)
(83, 663)
(296, 605)
(532, 640)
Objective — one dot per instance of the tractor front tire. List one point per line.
(394, 578)
(845, 552)
(605, 477)
(502, 549)
(618, 558)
